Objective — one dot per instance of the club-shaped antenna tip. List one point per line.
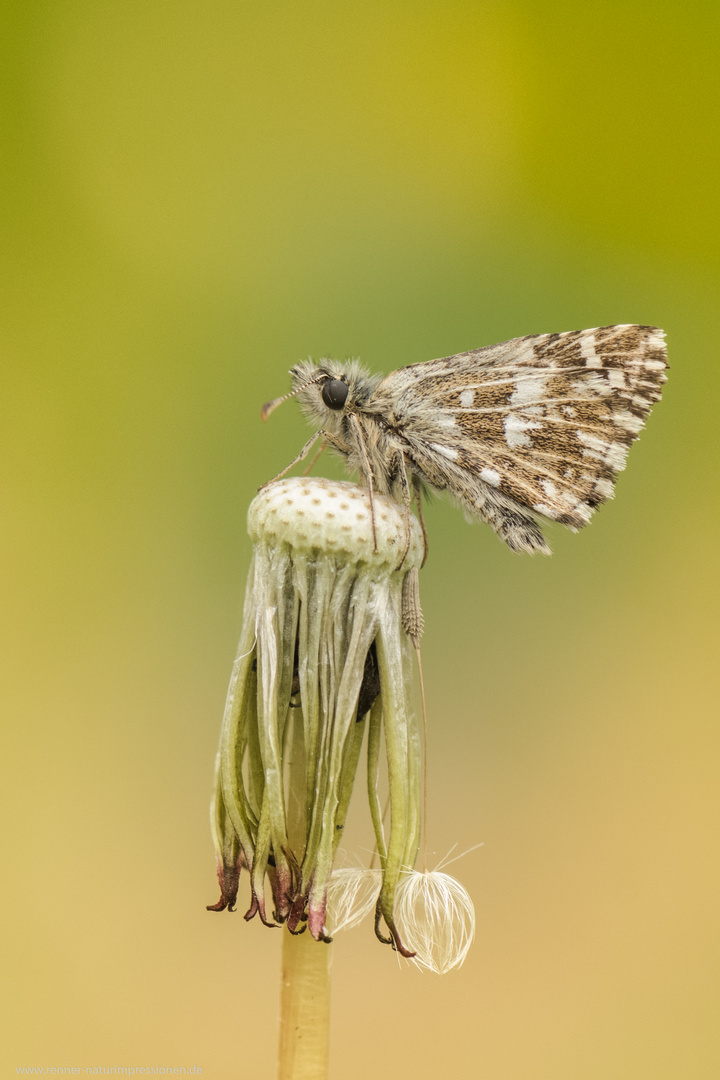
(268, 408)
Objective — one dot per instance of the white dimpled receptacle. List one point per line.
(334, 517)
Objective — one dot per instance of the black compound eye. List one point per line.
(334, 393)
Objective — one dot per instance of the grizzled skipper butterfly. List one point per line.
(535, 427)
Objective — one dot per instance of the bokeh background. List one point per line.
(195, 196)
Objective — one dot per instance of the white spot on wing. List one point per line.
(529, 389)
(491, 477)
(587, 351)
(566, 500)
(446, 451)
(616, 456)
(467, 398)
(569, 500)
(596, 447)
(516, 431)
(626, 419)
(597, 383)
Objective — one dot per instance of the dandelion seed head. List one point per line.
(334, 515)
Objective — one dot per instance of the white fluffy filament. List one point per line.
(352, 896)
(436, 918)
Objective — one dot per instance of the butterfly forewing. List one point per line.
(545, 420)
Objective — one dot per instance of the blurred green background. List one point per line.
(195, 196)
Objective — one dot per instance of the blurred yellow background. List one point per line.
(195, 196)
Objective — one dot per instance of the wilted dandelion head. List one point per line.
(323, 655)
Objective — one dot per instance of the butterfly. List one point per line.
(534, 428)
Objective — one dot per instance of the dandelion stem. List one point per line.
(425, 759)
(304, 1008)
(305, 976)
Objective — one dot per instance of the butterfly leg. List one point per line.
(367, 470)
(323, 446)
(301, 457)
(406, 501)
(417, 489)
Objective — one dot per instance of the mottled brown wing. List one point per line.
(545, 420)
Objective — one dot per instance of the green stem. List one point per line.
(304, 1008)
(305, 979)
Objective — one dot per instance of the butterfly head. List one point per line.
(327, 390)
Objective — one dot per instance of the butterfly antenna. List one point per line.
(270, 406)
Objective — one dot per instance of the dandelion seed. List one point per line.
(352, 896)
(436, 919)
